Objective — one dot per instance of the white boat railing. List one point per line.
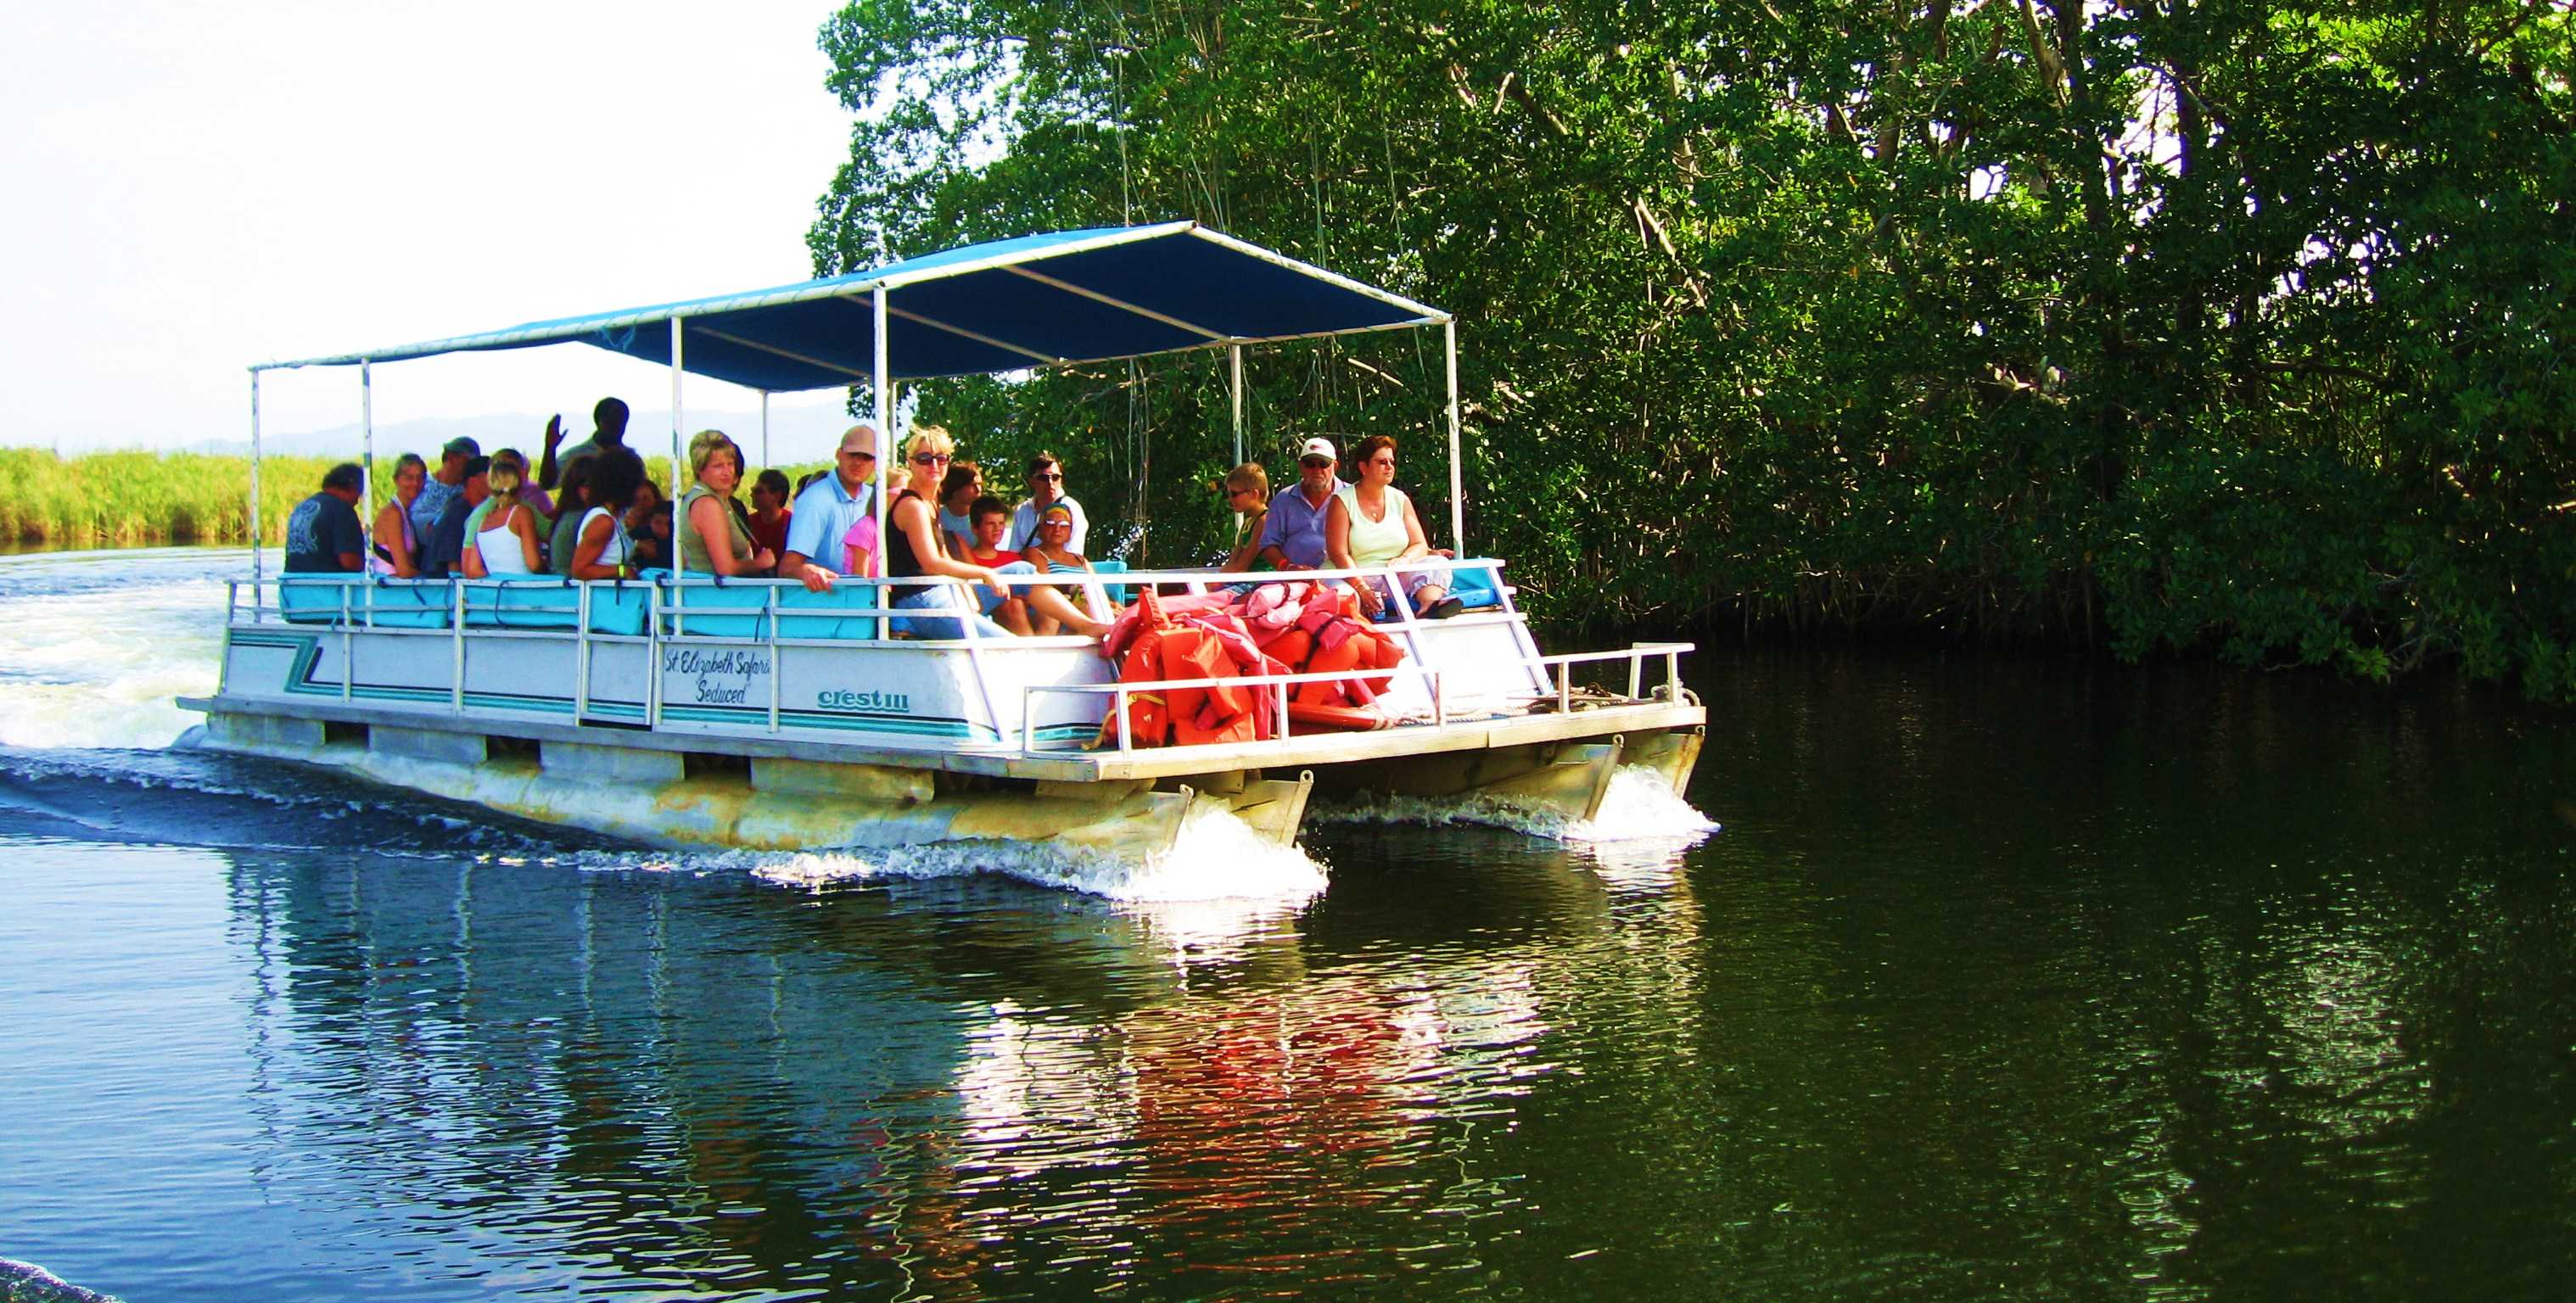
(535, 611)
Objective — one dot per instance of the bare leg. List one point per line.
(1014, 616)
(1051, 605)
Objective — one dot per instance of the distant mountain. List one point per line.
(796, 434)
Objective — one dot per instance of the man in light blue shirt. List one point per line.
(829, 509)
(1292, 536)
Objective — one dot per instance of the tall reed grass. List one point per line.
(106, 499)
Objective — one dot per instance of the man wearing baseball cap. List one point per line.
(1292, 538)
(443, 484)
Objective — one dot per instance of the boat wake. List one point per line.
(183, 797)
(25, 1282)
(1640, 806)
(1216, 856)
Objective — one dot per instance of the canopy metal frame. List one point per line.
(1020, 259)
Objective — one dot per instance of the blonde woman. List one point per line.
(914, 550)
(717, 540)
(505, 541)
(397, 539)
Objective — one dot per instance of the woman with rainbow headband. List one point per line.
(1051, 550)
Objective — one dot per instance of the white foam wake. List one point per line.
(1640, 805)
(1216, 857)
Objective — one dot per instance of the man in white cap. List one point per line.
(1292, 537)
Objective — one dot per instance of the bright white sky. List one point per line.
(194, 187)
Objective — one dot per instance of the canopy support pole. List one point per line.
(765, 463)
(677, 465)
(1457, 475)
(254, 493)
(886, 448)
(366, 465)
(1234, 362)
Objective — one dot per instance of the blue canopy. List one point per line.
(1039, 300)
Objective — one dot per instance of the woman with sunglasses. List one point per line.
(1053, 550)
(913, 550)
(1372, 523)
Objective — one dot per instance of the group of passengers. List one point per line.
(1323, 519)
(480, 517)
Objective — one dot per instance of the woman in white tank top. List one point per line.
(1372, 523)
(506, 544)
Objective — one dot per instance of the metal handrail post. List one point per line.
(254, 495)
(678, 466)
(1457, 474)
(366, 464)
(456, 633)
(653, 657)
(348, 647)
(769, 619)
(581, 652)
(1234, 366)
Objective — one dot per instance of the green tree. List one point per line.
(2171, 324)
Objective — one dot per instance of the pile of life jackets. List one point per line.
(1286, 627)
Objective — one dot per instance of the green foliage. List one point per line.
(2213, 324)
(144, 497)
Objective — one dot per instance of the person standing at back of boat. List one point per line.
(397, 539)
(1046, 489)
(445, 551)
(443, 485)
(1292, 535)
(322, 534)
(715, 539)
(608, 430)
(828, 509)
(599, 543)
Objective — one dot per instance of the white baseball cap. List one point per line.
(1318, 447)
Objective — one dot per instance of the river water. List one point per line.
(2023, 979)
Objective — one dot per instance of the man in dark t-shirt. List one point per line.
(322, 534)
(443, 555)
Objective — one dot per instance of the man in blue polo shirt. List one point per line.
(818, 534)
(1292, 538)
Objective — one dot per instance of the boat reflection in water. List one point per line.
(691, 1076)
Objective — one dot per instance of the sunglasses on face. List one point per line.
(930, 459)
(1316, 465)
